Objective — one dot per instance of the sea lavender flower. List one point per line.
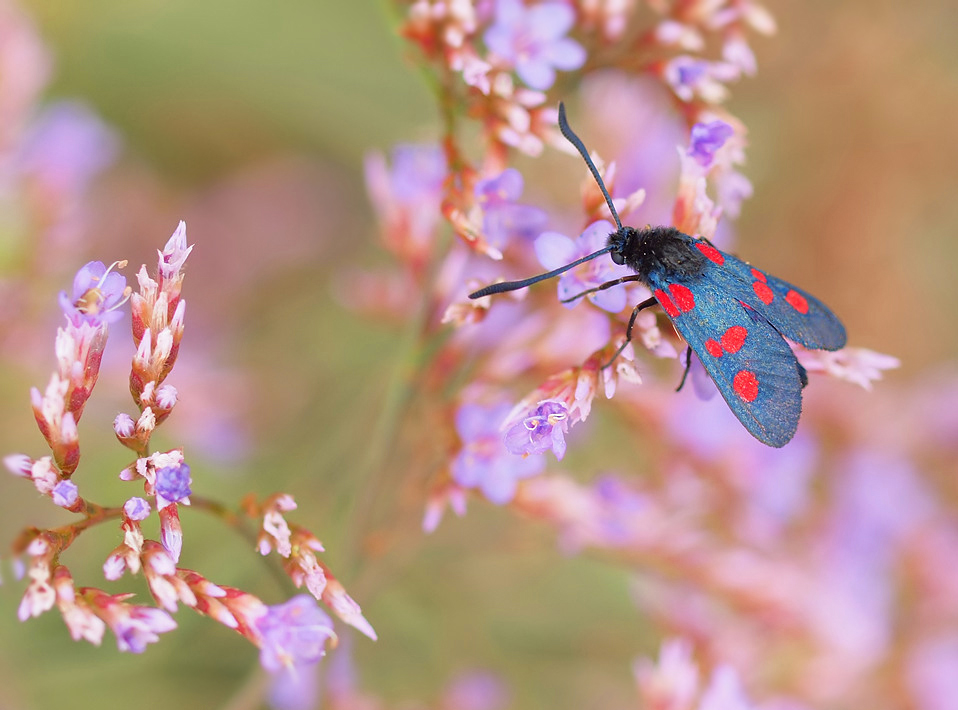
(65, 494)
(293, 634)
(173, 482)
(502, 217)
(533, 41)
(542, 430)
(98, 291)
(66, 146)
(706, 139)
(692, 78)
(407, 196)
(555, 250)
(483, 462)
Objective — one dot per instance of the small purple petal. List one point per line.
(550, 20)
(706, 139)
(173, 482)
(554, 250)
(65, 494)
(136, 509)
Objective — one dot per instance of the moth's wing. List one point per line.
(794, 313)
(747, 358)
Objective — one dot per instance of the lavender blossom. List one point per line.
(555, 250)
(173, 482)
(532, 39)
(541, 431)
(97, 293)
(706, 139)
(293, 634)
(503, 218)
(483, 462)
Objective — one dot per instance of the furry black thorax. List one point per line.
(656, 249)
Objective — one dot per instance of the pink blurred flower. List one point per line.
(555, 250)
(293, 634)
(483, 462)
(533, 41)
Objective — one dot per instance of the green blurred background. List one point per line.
(250, 120)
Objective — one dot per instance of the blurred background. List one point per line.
(251, 121)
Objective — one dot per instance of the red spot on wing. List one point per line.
(745, 384)
(797, 301)
(683, 297)
(663, 298)
(711, 253)
(758, 275)
(763, 292)
(713, 347)
(734, 338)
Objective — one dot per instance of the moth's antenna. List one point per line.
(580, 146)
(515, 285)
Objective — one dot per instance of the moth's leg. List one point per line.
(628, 331)
(602, 287)
(688, 366)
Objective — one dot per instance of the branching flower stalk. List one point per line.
(289, 636)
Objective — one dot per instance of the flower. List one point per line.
(706, 139)
(173, 482)
(66, 146)
(483, 462)
(541, 431)
(502, 217)
(407, 196)
(97, 294)
(65, 494)
(555, 250)
(136, 509)
(293, 634)
(533, 41)
(690, 77)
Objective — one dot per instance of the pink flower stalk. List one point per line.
(859, 366)
(158, 314)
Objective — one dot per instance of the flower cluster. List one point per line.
(291, 635)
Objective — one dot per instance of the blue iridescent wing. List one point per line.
(794, 313)
(747, 358)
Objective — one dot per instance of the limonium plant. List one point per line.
(821, 575)
(291, 635)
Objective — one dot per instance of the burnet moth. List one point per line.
(734, 317)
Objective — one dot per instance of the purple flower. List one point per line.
(417, 173)
(483, 462)
(541, 431)
(293, 634)
(690, 77)
(555, 250)
(173, 482)
(66, 146)
(136, 509)
(706, 139)
(502, 217)
(532, 39)
(97, 292)
(65, 494)
(139, 626)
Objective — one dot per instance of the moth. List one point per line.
(733, 316)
